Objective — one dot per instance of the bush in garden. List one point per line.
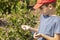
(15, 13)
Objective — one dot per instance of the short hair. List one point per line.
(53, 4)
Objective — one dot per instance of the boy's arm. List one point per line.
(56, 37)
(33, 29)
(26, 27)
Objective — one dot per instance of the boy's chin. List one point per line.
(45, 14)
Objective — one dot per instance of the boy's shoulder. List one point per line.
(57, 19)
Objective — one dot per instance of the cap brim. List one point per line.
(37, 6)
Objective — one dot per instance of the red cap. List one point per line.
(41, 2)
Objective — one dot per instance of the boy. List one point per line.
(49, 28)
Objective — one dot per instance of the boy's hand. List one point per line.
(36, 36)
(25, 27)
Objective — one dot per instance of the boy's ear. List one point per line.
(50, 6)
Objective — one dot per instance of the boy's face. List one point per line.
(46, 10)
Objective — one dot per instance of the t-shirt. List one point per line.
(49, 25)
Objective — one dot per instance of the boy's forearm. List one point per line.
(56, 37)
(50, 38)
(33, 29)
(46, 37)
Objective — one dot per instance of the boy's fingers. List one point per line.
(35, 36)
(35, 33)
(38, 35)
(23, 27)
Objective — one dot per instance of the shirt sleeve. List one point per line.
(57, 27)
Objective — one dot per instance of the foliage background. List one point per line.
(13, 14)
